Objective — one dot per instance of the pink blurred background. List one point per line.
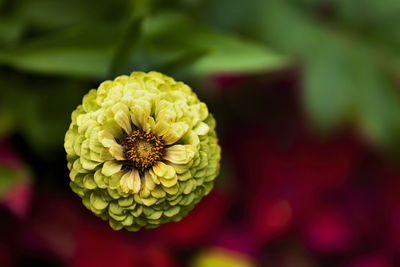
(285, 197)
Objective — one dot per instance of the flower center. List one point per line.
(143, 149)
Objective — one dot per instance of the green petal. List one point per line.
(77, 189)
(99, 179)
(97, 201)
(189, 187)
(172, 211)
(111, 167)
(125, 202)
(177, 154)
(155, 215)
(175, 133)
(158, 192)
(88, 181)
(117, 152)
(115, 225)
(128, 220)
(130, 181)
(168, 182)
(171, 190)
(88, 164)
(123, 121)
(184, 177)
(163, 170)
(201, 129)
(137, 211)
(106, 138)
(149, 201)
(115, 208)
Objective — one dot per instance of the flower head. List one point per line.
(142, 150)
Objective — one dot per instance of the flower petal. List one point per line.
(123, 121)
(175, 133)
(160, 168)
(111, 126)
(163, 170)
(97, 201)
(154, 177)
(117, 151)
(106, 138)
(177, 154)
(136, 181)
(169, 182)
(130, 182)
(89, 164)
(161, 127)
(110, 167)
(140, 114)
(201, 129)
(148, 182)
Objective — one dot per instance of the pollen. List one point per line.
(143, 149)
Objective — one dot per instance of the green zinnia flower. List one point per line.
(141, 150)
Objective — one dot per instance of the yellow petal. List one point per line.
(140, 114)
(136, 181)
(106, 138)
(201, 129)
(117, 152)
(161, 127)
(111, 167)
(123, 121)
(154, 177)
(170, 172)
(176, 154)
(168, 182)
(175, 133)
(148, 182)
(120, 106)
(130, 182)
(160, 168)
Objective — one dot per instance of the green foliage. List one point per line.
(176, 35)
(7, 178)
(349, 51)
(52, 52)
(78, 51)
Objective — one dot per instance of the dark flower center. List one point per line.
(143, 149)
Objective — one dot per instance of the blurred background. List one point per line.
(306, 96)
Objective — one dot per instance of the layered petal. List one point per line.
(141, 150)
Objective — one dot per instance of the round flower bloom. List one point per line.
(141, 150)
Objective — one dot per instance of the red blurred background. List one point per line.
(285, 197)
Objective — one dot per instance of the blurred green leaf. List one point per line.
(45, 15)
(349, 50)
(230, 53)
(46, 114)
(78, 61)
(327, 91)
(7, 120)
(7, 178)
(39, 108)
(349, 54)
(127, 47)
(343, 85)
(11, 30)
(378, 103)
(207, 51)
(85, 50)
(369, 12)
(180, 63)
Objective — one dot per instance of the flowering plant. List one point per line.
(142, 150)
